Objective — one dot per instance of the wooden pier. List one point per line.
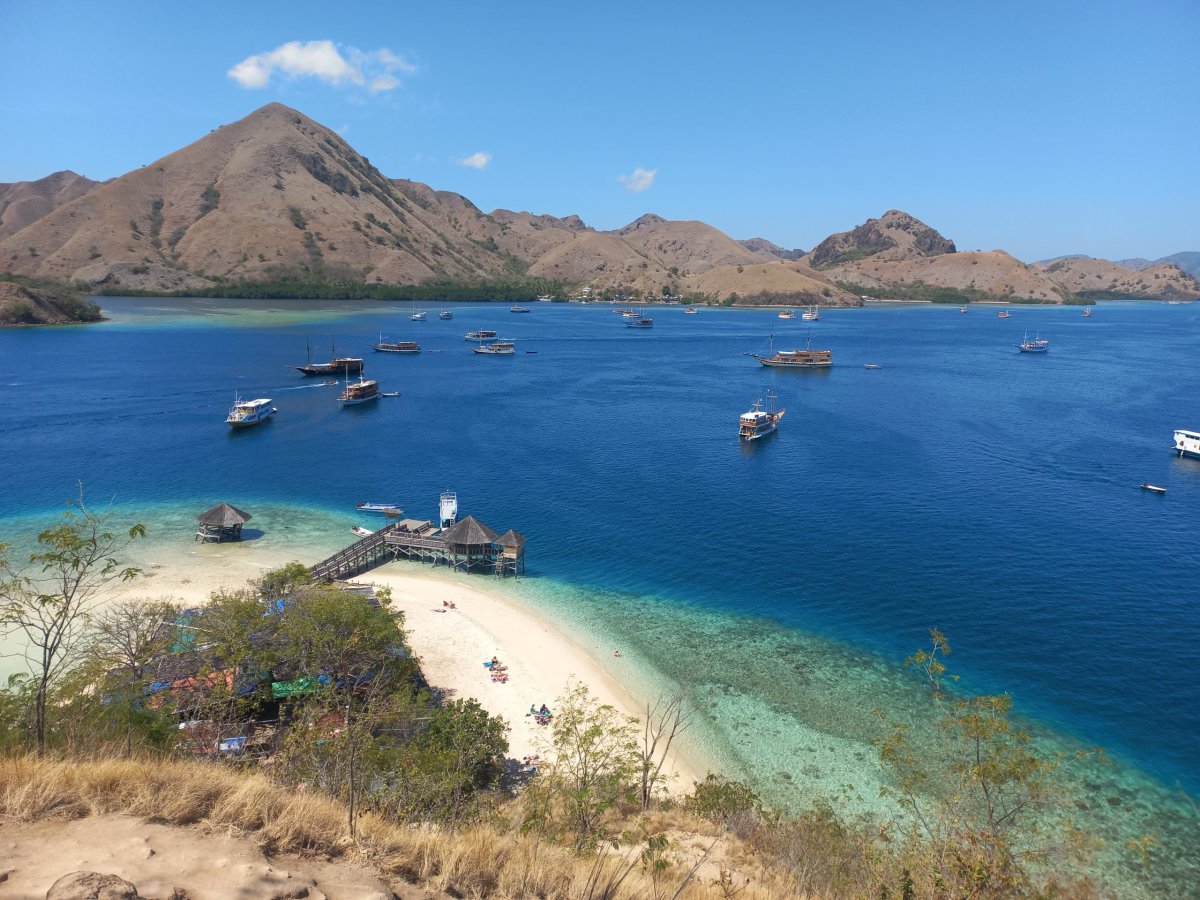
(467, 545)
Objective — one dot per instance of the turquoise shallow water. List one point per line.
(961, 485)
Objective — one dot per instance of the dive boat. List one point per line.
(1087, 312)
(797, 359)
(245, 413)
(339, 365)
(1153, 488)
(446, 314)
(640, 322)
(759, 422)
(497, 348)
(396, 346)
(786, 314)
(1037, 345)
(1003, 314)
(481, 335)
(390, 510)
(1187, 443)
(518, 309)
(361, 391)
(811, 314)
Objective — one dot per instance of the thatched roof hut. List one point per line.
(221, 522)
(469, 532)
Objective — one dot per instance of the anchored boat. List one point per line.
(496, 348)
(349, 365)
(361, 391)
(759, 422)
(395, 346)
(249, 412)
(1187, 443)
(1037, 345)
(797, 359)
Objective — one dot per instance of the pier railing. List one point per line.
(358, 557)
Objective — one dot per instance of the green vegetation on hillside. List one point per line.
(313, 691)
(931, 293)
(38, 301)
(295, 287)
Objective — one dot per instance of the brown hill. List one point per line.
(895, 236)
(24, 202)
(1085, 276)
(273, 190)
(278, 194)
(977, 275)
(767, 250)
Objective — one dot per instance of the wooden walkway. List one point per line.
(425, 544)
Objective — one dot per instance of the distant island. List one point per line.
(277, 205)
(25, 301)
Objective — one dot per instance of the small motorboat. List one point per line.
(390, 510)
(1153, 488)
(362, 532)
(389, 393)
(530, 352)
(870, 366)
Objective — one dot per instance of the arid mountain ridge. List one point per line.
(276, 194)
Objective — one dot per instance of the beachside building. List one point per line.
(221, 523)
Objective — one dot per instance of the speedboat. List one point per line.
(759, 422)
(1153, 488)
(249, 412)
(391, 510)
(361, 532)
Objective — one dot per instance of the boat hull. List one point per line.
(791, 364)
(1187, 443)
(250, 422)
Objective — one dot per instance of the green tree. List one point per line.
(596, 764)
(50, 602)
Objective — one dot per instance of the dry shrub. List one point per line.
(481, 861)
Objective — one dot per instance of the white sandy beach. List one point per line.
(452, 643)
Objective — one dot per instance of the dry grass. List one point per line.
(479, 861)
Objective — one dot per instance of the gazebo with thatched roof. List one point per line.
(470, 543)
(512, 553)
(222, 522)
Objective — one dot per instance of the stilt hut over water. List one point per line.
(512, 553)
(471, 544)
(222, 523)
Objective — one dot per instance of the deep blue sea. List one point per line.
(963, 485)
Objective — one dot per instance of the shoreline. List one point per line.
(543, 659)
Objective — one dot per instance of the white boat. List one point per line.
(483, 334)
(786, 314)
(245, 413)
(518, 309)
(811, 314)
(361, 532)
(1153, 488)
(1187, 443)
(1037, 345)
(446, 314)
(361, 391)
(1087, 312)
(418, 315)
(496, 348)
(391, 510)
(758, 422)
(691, 310)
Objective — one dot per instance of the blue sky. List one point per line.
(1040, 128)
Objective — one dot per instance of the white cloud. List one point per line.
(383, 83)
(478, 160)
(323, 60)
(639, 180)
